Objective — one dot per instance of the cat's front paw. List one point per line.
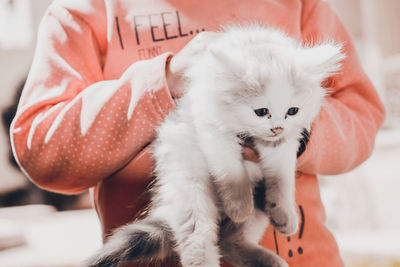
(238, 203)
(283, 219)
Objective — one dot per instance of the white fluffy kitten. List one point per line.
(252, 83)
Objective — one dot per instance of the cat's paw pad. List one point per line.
(285, 221)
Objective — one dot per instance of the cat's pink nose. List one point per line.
(277, 130)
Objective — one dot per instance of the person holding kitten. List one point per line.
(105, 75)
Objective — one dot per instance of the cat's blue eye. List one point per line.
(261, 112)
(292, 111)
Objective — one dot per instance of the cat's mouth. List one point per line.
(273, 135)
(271, 140)
(247, 139)
(274, 138)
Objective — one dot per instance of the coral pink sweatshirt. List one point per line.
(97, 90)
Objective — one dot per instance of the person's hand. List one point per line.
(250, 154)
(183, 59)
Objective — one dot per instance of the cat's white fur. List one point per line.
(201, 175)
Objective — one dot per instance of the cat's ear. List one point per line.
(225, 58)
(323, 60)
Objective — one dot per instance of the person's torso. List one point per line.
(140, 30)
(144, 29)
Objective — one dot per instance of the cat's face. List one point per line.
(278, 110)
(271, 92)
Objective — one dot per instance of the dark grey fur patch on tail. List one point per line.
(142, 245)
(109, 261)
(143, 241)
(151, 245)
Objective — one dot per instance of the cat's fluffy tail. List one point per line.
(145, 240)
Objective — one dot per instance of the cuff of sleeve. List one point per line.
(162, 96)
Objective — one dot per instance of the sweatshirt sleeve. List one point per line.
(343, 135)
(72, 127)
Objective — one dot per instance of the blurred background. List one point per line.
(39, 228)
